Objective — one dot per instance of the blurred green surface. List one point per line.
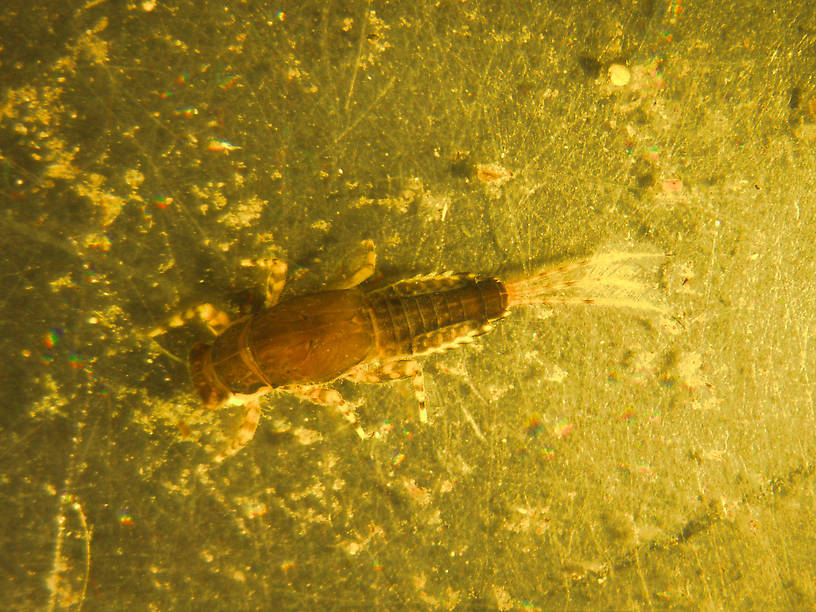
(579, 459)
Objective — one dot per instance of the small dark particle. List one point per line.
(795, 98)
(590, 66)
(461, 166)
(646, 180)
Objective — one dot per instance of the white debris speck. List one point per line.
(619, 75)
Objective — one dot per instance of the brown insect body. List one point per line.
(317, 338)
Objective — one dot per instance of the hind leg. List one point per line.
(332, 399)
(395, 370)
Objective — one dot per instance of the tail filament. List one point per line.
(614, 280)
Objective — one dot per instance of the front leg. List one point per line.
(251, 404)
(366, 269)
(275, 278)
(215, 319)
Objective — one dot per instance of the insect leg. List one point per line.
(276, 277)
(363, 272)
(332, 399)
(393, 370)
(214, 318)
(246, 430)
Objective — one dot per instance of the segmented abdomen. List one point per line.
(428, 314)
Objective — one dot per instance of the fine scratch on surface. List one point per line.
(339, 138)
(473, 424)
(360, 44)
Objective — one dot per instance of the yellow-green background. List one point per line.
(579, 459)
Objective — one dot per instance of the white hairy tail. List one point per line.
(615, 279)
